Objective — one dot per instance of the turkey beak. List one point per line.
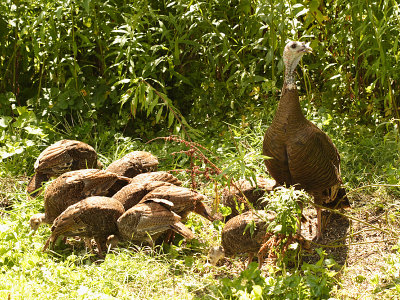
(307, 48)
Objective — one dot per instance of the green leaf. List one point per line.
(5, 121)
(313, 5)
(159, 113)
(86, 5)
(170, 118)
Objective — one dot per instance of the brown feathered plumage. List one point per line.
(70, 188)
(157, 176)
(130, 165)
(184, 200)
(131, 194)
(147, 220)
(236, 237)
(254, 191)
(134, 163)
(61, 157)
(301, 154)
(94, 217)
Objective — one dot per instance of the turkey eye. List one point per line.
(294, 46)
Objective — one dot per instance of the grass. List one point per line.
(360, 261)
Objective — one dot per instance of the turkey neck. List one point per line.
(289, 110)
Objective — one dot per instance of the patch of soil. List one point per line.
(360, 249)
(335, 230)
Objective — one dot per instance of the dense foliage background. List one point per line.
(92, 68)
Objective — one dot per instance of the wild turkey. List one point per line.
(61, 157)
(130, 165)
(233, 198)
(145, 221)
(301, 154)
(184, 201)
(131, 194)
(236, 237)
(94, 217)
(157, 176)
(70, 188)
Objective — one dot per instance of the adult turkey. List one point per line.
(70, 188)
(130, 165)
(300, 153)
(61, 157)
(93, 217)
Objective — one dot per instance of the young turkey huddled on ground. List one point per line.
(130, 165)
(238, 238)
(149, 219)
(94, 217)
(248, 233)
(243, 194)
(61, 157)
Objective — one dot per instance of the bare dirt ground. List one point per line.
(360, 249)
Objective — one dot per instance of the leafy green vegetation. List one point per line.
(118, 73)
(311, 282)
(129, 65)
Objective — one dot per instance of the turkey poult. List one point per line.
(134, 163)
(61, 157)
(130, 165)
(184, 201)
(70, 188)
(131, 194)
(156, 176)
(233, 198)
(94, 217)
(300, 153)
(237, 239)
(146, 221)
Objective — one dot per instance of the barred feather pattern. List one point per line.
(147, 220)
(61, 157)
(73, 186)
(131, 194)
(301, 154)
(232, 196)
(66, 155)
(134, 163)
(94, 217)
(157, 176)
(185, 200)
(236, 237)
